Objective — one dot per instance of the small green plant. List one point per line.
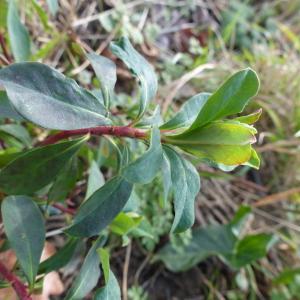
(36, 179)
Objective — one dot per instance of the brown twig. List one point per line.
(16, 283)
(271, 199)
(119, 131)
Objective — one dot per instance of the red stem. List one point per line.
(119, 131)
(16, 283)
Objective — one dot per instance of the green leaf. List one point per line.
(152, 160)
(140, 68)
(186, 185)
(211, 240)
(42, 14)
(188, 112)
(25, 230)
(111, 291)
(96, 180)
(250, 249)
(250, 119)
(106, 72)
(60, 258)
(88, 276)
(53, 6)
(18, 35)
(229, 99)
(46, 97)
(17, 131)
(65, 181)
(287, 276)
(104, 259)
(254, 161)
(6, 109)
(124, 223)
(101, 208)
(225, 142)
(38, 167)
(220, 240)
(3, 13)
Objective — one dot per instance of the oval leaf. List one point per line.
(25, 230)
(38, 167)
(101, 208)
(46, 97)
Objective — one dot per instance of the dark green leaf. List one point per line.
(188, 112)
(60, 258)
(37, 167)
(186, 185)
(106, 72)
(25, 230)
(64, 182)
(44, 96)
(151, 160)
(101, 208)
(229, 99)
(287, 276)
(88, 276)
(18, 35)
(111, 291)
(140, 68)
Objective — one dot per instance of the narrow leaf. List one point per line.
(152, 160)
(18, 34)
(104, 259)
(46, 97)
(140, 68)
(101, 208)
(25, 230)
(38, 167)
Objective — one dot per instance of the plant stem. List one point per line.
(16, 283)
(118, 131)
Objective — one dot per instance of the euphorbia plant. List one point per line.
(206, 127)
